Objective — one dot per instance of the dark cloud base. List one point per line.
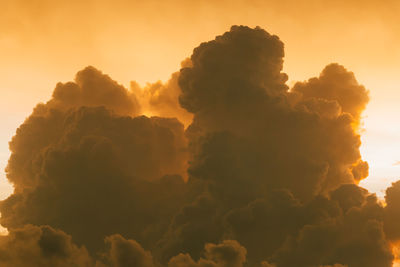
(263, 175)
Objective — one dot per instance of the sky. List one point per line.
(44, 42)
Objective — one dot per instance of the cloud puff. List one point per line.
(93, 88)
(392, 212)
(122, 252)
(227, 254)
(41, 246)
(336, 83)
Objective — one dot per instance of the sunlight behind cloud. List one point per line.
(381, 135)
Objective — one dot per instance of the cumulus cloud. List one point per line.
(41, 246)
(93, 88)
(227, 254)
(122, 252)
(338, 84)
(88, 167)
(309, 144)
(234, 169)
(392, 212)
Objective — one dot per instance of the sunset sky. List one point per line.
(44, 42)
(260, 170)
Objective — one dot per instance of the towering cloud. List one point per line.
(307, 143)
(263, 175)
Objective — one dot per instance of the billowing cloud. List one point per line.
(263, 174)
(41, 246)
(307, 143)
(70, 167)
(93, 88)
(122, 252)
(392, 212)
(338, 84)
(228, 253)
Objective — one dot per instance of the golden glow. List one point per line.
(396, 253)
(43, 42)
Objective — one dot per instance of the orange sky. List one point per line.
(43, 42)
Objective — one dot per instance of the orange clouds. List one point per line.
(262, 175)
